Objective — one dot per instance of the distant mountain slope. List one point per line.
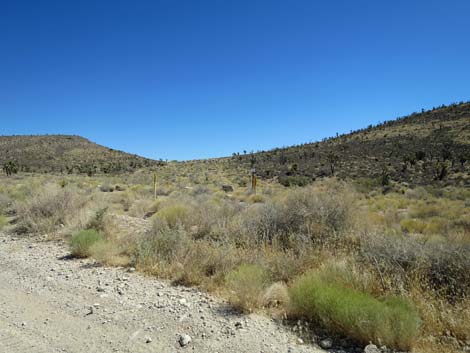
(67, 154)
(432, 146)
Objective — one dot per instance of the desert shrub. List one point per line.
(284, 265)
(345, 272)
(126, 200)
(393, 322)
(321, 212)
(421, 210)
(106, 188)
(164, 191)
(246, 284)
(275, 295)
(97, 221)
(3, 221)
(256, 198)
(120, 188)
(108, 253)
(440, 316)
(21, 192)
(173, 214)
(5, 202)
(161, 246)
(311, 215)
(409, 225)
(262, 222)
(140, 208)
(82, 242)
(296, 180)
(448, 270)
(48, 209)
(402, 262)
(206, 264)
(418, 193)
(395, 259)
(200, 190)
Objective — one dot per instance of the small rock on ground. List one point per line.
(184, 340)
(327, 343)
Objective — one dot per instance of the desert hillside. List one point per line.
(67, 154)
(422, 148)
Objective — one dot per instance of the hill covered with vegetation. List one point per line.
(66, 154)
(420, 148)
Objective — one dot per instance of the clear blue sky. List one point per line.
(184, 79)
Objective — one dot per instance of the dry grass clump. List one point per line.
(276, 295)
(109, 253)
(442, 319)
(246, 285)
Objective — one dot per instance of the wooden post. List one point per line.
(254, 183)
(155, 185)
(253, 180)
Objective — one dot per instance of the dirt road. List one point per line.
(49, 303)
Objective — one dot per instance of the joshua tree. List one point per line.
(441, 170)
(10, 167)
(385, 176)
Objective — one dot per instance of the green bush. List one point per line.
(82, 242)
(173, 214)
(393, 322)
(246, 284)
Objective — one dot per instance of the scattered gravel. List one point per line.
(50, 303)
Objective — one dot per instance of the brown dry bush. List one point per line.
(314, 215)
(246, 285)
(402, 262)
(48, 210)
(173, 253)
